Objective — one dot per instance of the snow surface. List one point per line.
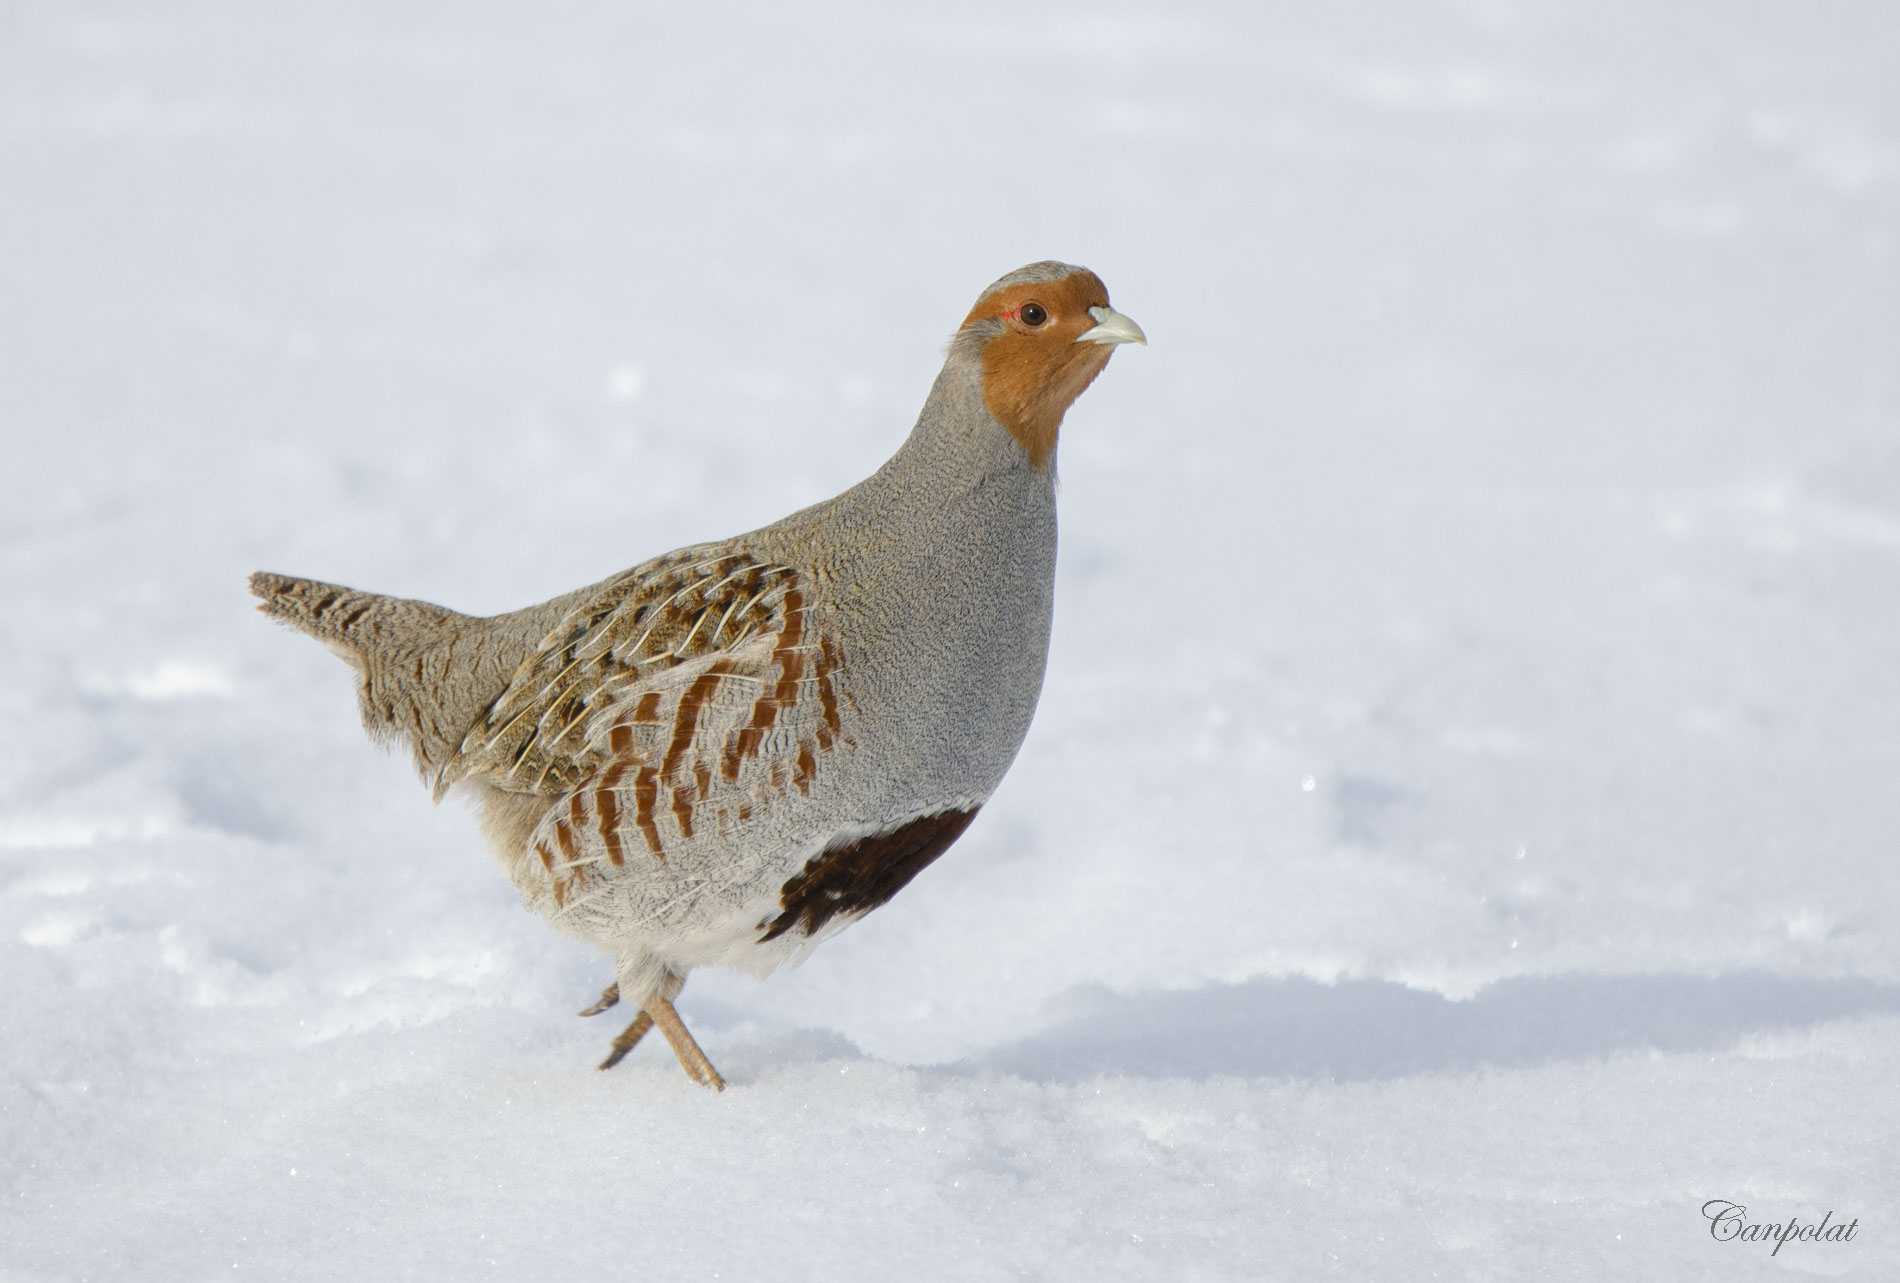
(1458, 836)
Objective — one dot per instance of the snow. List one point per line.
(1458, 836)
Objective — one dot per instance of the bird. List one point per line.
(728, 753)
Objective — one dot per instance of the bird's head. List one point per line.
(1042, 334)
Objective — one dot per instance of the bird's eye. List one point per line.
(1033, 314)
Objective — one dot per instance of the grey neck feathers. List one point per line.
(955, 447)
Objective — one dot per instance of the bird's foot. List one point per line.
(628, 1039)
(608, 997)
(691, 1058)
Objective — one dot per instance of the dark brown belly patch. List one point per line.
(859, 876)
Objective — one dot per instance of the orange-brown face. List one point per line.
(1034, 369)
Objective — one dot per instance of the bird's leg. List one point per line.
(608, 997)
(628, 1038)
(692, 1059)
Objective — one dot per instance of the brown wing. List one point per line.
(627, 636)
(713, 745)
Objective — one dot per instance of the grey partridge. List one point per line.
(730, 752)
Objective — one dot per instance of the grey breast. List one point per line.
(940, 570)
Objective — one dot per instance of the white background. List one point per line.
(1517, 458)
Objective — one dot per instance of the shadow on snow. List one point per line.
(1376, 1029)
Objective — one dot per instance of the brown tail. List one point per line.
(349, 622)
(399, 648)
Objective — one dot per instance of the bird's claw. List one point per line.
(608, 997)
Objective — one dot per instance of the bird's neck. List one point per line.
(958, 445)
(960, 480)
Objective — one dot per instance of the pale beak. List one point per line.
(1112, 327)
